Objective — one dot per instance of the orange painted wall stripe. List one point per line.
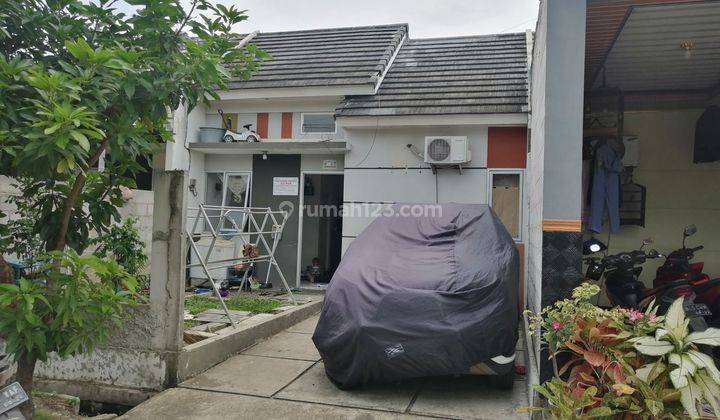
(559, 225)
(507, 147)
(262, 124)
(286, 126)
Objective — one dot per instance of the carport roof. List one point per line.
(463, 75)
(324, 57)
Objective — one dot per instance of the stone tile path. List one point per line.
(284, 378)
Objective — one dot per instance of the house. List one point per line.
(644, 71)
(343, 115)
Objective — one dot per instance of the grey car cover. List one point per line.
(421, 296)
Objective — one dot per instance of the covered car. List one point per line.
(423, 296)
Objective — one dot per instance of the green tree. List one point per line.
(79, 80)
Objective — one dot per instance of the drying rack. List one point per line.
(261, 227)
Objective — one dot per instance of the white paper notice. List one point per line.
(285, 185)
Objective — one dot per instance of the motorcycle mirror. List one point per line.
(690, 230)
(593, 245)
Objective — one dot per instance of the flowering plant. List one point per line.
(625, 362)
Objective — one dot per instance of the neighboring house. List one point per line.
(337, 109)
(652, 67)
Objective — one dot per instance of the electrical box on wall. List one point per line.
(447, 150)
(632, 151)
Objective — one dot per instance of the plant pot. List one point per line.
(211, 134)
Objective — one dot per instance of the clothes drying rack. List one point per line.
(260, 227)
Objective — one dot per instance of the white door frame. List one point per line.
(301, 214)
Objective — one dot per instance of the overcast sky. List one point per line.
(427, 18)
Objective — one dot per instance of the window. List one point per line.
(506, 199)
(229, 189)
(318, 123)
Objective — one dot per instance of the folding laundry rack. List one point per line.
(258, 226)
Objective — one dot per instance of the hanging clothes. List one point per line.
(606, 188)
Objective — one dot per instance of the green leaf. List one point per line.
(655, 407)
(689, 397)
(52, 128)
(703, 361)
(650, 372)
(678, 379)
(129, 89)
(676, 315)
(709, 337)
(600, 412)
(710, 390)
(81, 139)
(652, 347)
(683, 362)
(79, 48)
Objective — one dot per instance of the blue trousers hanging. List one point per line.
(605, 189)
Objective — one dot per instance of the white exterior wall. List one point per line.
(534, 187)
(381, 170)
(186, 128)
(140, 205)
(247, 114)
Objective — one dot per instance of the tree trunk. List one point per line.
(7, 274)
(25, 371)
(69, 202)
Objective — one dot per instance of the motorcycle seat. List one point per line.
(706, 286)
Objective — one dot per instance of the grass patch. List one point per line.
(198, 304)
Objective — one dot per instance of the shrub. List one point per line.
(625, 361)
(122, 243)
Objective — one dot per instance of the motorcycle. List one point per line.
(623, 287)
(678, 266)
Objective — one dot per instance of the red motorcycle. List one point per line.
(678, 266)
(623, 287)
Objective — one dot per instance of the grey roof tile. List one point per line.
(324, 57)
(463, 75)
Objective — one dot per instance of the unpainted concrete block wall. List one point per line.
(139, 205)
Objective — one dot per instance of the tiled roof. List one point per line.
(325, 57)
(464, 75)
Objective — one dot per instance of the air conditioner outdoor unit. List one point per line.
(447, 150)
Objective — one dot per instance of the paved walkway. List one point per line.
(283, 378)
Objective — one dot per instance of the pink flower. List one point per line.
(652, 318)
(556, 325)
(635, 315)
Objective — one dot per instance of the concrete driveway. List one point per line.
(283, 378)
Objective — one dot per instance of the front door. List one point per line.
(266, 194)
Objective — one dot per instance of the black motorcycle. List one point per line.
(623, 287)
